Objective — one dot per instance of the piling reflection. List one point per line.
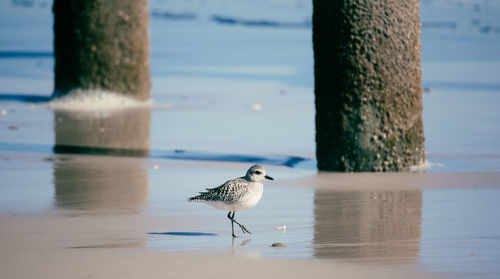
(107, 182)
(378, 225)
(118, 132)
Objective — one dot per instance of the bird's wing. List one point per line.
(229, 191)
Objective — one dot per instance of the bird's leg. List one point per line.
(232, 222)
(243, 229)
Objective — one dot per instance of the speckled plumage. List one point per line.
(237, 194)
(230, 191)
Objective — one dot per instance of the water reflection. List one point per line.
(106, 182)
(357, 224)
(118, 132)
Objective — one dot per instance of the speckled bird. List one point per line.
(237, 194)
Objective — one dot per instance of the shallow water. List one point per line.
(449, 230)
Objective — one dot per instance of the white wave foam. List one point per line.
(424, 166)
(80, 99)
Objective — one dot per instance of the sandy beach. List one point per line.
(55, 246)
(226, 96)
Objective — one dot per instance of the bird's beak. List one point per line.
(268, 177)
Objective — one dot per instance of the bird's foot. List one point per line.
(244, 229)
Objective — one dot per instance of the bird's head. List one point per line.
(257, 173)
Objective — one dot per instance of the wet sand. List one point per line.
(61, 245)
(107, 215)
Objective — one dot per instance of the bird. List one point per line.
(237, 194)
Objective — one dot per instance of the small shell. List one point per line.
(282, 228)
(257, 107)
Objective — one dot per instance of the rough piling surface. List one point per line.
(102, 44)
(368, 85)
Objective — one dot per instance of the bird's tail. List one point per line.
(199, 198)
(195, 199)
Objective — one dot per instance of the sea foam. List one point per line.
(80, 99)
(424, 166)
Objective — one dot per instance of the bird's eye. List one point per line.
(258, 172)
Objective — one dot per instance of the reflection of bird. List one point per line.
(238, 194)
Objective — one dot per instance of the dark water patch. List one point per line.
(173, 16)
(184, 233)
(90, 150)
(485, 29)
(292, 161)
(260, 22)
(289, 161)
(22, 3)
(26, 54)
(25, 98)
